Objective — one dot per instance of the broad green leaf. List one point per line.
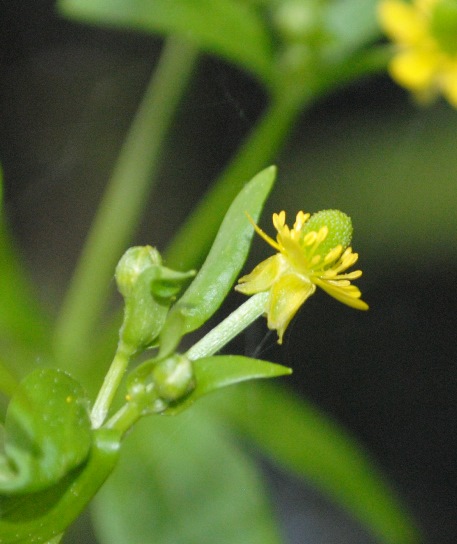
(47, 432)
(227, 255)
(182, 481)
(212, 373)
(223, 27)
(41, 516)
(303, 440)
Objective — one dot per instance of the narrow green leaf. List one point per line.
(303, 440)
(212, 373)
(47, 432)
(21, 319)
(227, 255)
(223, 27)
(180, 481)
(42, 516)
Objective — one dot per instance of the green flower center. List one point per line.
(339, 229)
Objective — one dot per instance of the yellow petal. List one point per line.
(347, 294)
(262, 277)
(286, 297)
(414, 70)
(404, 23)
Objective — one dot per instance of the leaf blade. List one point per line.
(279, 423)
(227, 255)
(182, 480)
(231, 29)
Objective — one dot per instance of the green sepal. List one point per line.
(41, 516)
(218, 371)
(47, 432)
(227, 255)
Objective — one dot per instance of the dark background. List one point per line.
(67, 94)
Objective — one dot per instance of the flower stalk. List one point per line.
(229, 328)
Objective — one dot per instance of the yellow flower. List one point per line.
(313, 253)
(425, 32)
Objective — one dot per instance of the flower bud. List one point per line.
(173, 377)
(132, 264)
(149, 290)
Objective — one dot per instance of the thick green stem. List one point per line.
(232, 325)
(124, 200)
(125, 417)
(255, 153)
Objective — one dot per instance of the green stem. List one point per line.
(255, 153)
(125, 417)
(211, 343)
(232, 325)
(110, 386)
(125, 197)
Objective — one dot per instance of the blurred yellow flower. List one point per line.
(313, 253)
(425, 32)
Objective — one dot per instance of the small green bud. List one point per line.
(132, 264)
(149, 289)
(173, 377)
(339, 229)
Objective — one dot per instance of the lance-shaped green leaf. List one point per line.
(47, 432)
(20, 318)
(227, 255)
(305, 441)
(232, 29)
(42, 516)
(180, 481)
(212, 373)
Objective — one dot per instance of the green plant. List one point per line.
(298, 50)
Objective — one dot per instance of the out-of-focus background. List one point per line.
(67, 95)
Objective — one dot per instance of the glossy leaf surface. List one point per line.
(179, 481)
(227, 255)
(231, 29)
(47, 432)
(42, 516)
